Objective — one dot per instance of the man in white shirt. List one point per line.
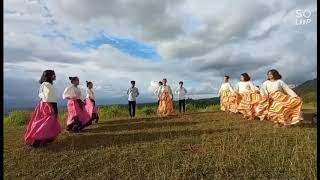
(133, 93)
(157, 90)
(181, 91)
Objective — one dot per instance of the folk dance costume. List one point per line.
(44, 126)
(227, 98)
(78, 117)
(166, 101)
(90, 105)
(247, 99)
(279, 103)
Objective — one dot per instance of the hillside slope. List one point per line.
(307, 91)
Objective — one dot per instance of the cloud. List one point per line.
(194, 41)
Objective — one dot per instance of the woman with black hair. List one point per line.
(279, 102)
(225, 92)
(78, 117)
(248, 96)
(165, 95)
(90, 103)
(44, 126)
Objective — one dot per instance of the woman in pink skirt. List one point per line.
(44, 126)
(91, 103)
(78, 117)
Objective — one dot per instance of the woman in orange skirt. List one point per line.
(279, 102)
(225, 93)
(248, 96)
(166, 100)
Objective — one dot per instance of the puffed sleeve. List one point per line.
(236, 89)
(41, 95)
(252, 86)
(69, 93)
(263, 89)
(230, 88)
(287, 89)
(159, 91)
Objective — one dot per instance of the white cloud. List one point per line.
(198, 41)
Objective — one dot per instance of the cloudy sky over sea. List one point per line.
(111, 42)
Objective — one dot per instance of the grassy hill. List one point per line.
(203, 144)
(209, 145)
(307, 90)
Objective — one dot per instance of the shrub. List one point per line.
(148, 110)
(191, 108)
(17, 118)
(114, 111)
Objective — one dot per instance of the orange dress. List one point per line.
(226, 92)
(280, 104)
(165, 107)
(248, 98)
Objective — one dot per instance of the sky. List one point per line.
(111, 42)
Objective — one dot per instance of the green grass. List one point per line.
(208, 145)
(17, 118)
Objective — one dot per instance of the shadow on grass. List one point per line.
(135, 120)
(136, 126)
(88, 141)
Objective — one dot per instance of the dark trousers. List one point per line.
(132, 108)
(182, 105)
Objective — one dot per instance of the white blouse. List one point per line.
(90, 94)
(163, 89)
(278, 85)
(47, 92)
(72, 92)
(245, 87)
(224, 87)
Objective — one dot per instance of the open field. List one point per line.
(207, 145)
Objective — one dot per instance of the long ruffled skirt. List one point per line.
(247, 103)
(280, 108)
(90, 106)
(224, 101)
(78, 117)
(165, 107)
(228, 102)
(43, 126)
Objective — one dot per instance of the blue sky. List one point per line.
(125, 45)
(112, 42)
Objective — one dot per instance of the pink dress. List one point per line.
(78, 118)
(90, 106)
(43, 126)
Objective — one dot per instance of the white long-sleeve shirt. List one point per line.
(90, 94)
(224, 87)
(132, 93)
(181, 93)
(72, 92)
(278, 85)
(155, 92)
(164, 88)
(245, 87)
(47, 92)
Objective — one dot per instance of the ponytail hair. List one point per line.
(72, 79)
(88, 83)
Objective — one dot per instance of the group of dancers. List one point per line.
(275, 101)
(44, 126)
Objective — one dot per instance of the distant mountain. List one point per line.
(307, 91)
